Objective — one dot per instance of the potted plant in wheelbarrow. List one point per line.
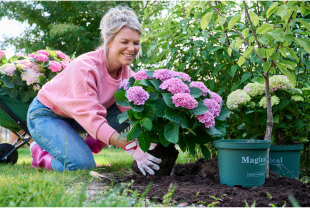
(290, 109)
(168, 109)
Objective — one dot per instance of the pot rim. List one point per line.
(241, 144)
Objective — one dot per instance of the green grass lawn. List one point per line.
(23, 185)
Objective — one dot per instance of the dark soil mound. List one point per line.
(197, 182)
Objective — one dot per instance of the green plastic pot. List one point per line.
(285, 159)
(242, 162)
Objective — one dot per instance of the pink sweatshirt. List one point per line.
(83, 91)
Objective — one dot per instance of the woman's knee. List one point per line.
(83, 164)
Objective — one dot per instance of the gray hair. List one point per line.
(113, 21)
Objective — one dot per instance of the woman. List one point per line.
(81, 98)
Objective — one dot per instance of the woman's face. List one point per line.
(123, 48)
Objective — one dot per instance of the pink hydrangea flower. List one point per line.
(124, 84)
(10, 69)
(216, 97)
(213, 106)
(30, 76)
(67, 58)
(44, 52)
(174, 85)
(41, 57)
(201, 86)
(184, 100)
(31, 55)
(36, 87)
(137, 94)
(36, 68)
(25, 62)
(141, 75)
(163, 74)
(1, 53)
(64, 64)
(54, 66)
(207, 119)
(61, 54)
(19, 55)
(184, 77)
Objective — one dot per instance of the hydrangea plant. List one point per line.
(166, 107)
(290, 106)
(22, 76)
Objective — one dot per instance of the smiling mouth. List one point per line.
(129, 55)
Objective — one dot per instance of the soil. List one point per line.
(168, 156)
(199, 183)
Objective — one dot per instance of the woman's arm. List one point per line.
(119, 143)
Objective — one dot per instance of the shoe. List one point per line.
(40, 157)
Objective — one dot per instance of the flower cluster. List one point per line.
(237, 98)
(183, 76)
(141, 75)
(207, 119)
(213, 106)
(279, 82)
(254, 89)
(124, 84)
(274, 101)
(138, 95)
(201, 86)
(163, 74)
(175, 85)
(184, 100)
(34, 70)
(297, 98)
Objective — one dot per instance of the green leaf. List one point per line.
(195, 92)
(233, 21)
(12, 92)
(131, 81)
(245, 32)
(17, 73)
(214, 132)
(144, 141)
(150, 74)
(266, 66)
(18, 81)
(254, 18)
(186, 123)
(283, 51)
(233, 70)
(190, 144)
(134, 132)
(153, 96)
(138, 108)
(121, 98)
(304, 43)
(292, 53)
(145, 82)
(304, 23)
(289, 75)
(264, 28)
(245, 77)
(288, 40)
(224, 114)
(172, 132)
(163, 140)
(159, 107)
(229, 50)
(168, 99)
(147, 123)
(8, 82)
(122, 117)
(262, 52)
(221, 20)
(205, 20)
(282, 10)
(276, 118)
(275, 56)
(266, 39)
(297, 124)
(272, 9)
(156, 83)
(25, 96)
(149, 111)
(241, 60)
(174, 115)
(277, 34)
(200, 109)
(205, 151)
(248, 51)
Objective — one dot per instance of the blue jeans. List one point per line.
(60, 137)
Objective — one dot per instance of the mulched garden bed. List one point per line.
(197, 182)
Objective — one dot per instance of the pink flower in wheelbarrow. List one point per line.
(141, 75)
(174, 85)
(138, 95)
(55, 66)
(41, 57)
(184, 100)
(207, 119)
(163, 74)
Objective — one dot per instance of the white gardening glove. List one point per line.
(145, 161)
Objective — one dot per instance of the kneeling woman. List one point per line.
(81, 99)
